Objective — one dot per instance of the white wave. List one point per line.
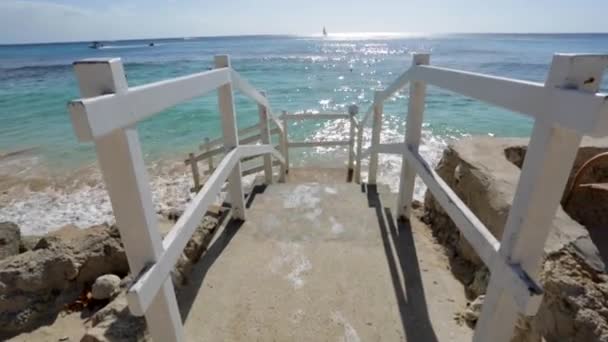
(389, 166)
(87, 203)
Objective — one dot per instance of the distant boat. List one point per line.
(96, 45)
(151, 44)
(324, 32)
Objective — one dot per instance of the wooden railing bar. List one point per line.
(526, 292)
(220, 150)
(97, 116)
(246, 88)
(298, 144)
(551, 104)
(148, 283)
(310, 116)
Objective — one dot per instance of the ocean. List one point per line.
(54, 181)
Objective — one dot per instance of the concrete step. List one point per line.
(320, 261)
(312, 211)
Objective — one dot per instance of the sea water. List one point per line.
(312, 74)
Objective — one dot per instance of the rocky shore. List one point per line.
(484, 173)
(44, 279)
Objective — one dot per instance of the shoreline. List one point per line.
(40, 198)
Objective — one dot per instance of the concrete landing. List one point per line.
(320, 262)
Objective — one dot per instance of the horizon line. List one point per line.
(343, 35)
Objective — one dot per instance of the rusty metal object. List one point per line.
(581, 171)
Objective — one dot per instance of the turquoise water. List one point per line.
(298, 73)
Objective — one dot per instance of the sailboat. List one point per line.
(324, 32)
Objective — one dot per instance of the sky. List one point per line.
(26, 21)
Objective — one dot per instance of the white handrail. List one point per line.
(247, 89)
(565, 107)
(311, 116)
(148, 283)
(530, 98)
(109, 120)
(97, 116)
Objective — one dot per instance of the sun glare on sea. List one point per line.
(369, 35)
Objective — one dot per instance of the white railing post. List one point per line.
(551, 153)
(195, 174)
(376, 131)
(412, 138)
(124, 173)
(210, 166)
(353, 110)
(265, 137)
(285, 142)
(359, 153)
(231, 140)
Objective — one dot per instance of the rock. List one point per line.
(36, 284)
(105, 286)
(196, 246)
(115, 323)
(201, 238)
(473, 310)
(28, 243)
(479, 284)
(10, 239)
(174, 214)
(484, 173)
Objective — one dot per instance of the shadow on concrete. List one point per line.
(186, 296)
(401, 257)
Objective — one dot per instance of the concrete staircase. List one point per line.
(320, 259)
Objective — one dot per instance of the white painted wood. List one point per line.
(231, 140)
(376, 131)
(265, 137)
(526, 293)
(246, 88)
(545, 171)
(210, 167)
(146, 286)
(96, 116)
(142, 292)
(242, 132)
(530, 98)
(298, 144)
(399, 83)
(220, 149)
(285, 145)
(359, 152)
(195, 174)
(412, 138)
(256, 169)
(311, 116)
(353, 110)
(124, 173)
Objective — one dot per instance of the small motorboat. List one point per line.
(96, 45)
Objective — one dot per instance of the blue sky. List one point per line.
(24, 21)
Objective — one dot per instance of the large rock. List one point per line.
(10, 239)
(114, 323)
(484, 173)
(36, 284)
(105, 286)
